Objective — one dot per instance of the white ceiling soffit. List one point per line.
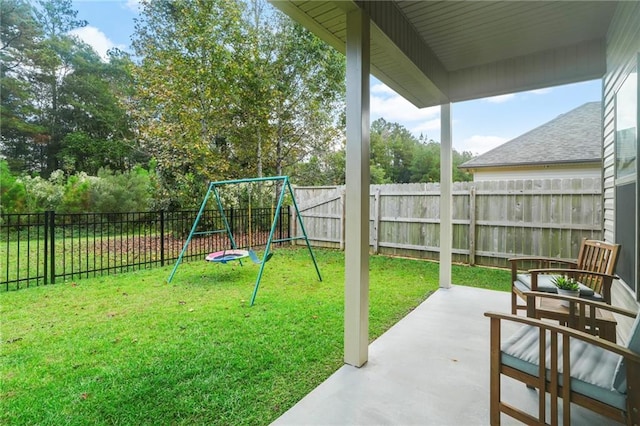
(435, 52)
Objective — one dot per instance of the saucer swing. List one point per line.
(224, 256)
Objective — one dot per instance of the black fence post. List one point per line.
(52, 245)
(162, 237)
(46, 247)
(231, 221)
(280, 219)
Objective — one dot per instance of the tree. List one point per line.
(398, 157)
(392, 150)
(187, 86)
(52, 66)
(62, 106)
(97, 131)
(292, 97)
(229, 89)
(325, 169)
(460, 175)
(251, 114)
(308, 96)
(12, 192)
(19, 35)
(426, 164)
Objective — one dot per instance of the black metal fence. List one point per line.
(39, 248)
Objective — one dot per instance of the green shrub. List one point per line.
(121, 192)
(108, 192)
(13, 196)
(44, 194)
(77, 194)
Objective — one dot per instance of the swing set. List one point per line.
(236, 254)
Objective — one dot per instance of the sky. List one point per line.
(478, 125)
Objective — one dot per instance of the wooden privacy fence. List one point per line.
(492, 220)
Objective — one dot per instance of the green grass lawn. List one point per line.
(132, 349)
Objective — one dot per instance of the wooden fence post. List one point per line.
(343, 217)
(294, 219)
(376, 220)
(472, 226)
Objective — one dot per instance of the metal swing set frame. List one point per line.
(235, 253)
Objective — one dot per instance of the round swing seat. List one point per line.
(224, 256)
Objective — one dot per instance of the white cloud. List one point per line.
(429, 128)
(478, 144)
(96, 39)
(387, 104)
(500, 99)
(134, 5)
(382, 89)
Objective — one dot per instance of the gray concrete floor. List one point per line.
(431, 368)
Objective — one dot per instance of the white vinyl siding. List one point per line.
(537, 173)
(623, 46)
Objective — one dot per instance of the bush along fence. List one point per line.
(492, 221)
(43, 248)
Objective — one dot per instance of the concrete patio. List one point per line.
(431, 368)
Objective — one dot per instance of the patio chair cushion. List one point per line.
(633, 344)
(545, 284)
(592, 368)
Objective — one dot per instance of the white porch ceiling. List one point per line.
(433, 52)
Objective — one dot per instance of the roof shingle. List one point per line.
(573, 137)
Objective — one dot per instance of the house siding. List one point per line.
(623, 45)
(537, 173)
(622, 49)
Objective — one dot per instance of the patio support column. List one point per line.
(356, 289)
(446, 195)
